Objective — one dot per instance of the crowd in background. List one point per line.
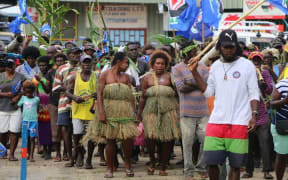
(133, 100)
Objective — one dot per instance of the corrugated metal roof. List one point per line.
(121, 1)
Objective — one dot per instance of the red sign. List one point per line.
(175, 4)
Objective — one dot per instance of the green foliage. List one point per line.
(164, 39)
(52, 12)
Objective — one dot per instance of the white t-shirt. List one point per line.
(233, 95)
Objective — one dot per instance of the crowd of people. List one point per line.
(131, 99)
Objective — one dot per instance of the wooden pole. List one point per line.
(230, 27)
(203, 32)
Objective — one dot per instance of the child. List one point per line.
(30, 105)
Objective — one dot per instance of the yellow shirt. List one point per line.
(82, 88)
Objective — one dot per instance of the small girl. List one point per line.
(30, 105)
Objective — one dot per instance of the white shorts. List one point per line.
(79, 126)
(10, 121)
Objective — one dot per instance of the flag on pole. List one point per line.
(196, 31)
(14, 26)
(183, 13)
(212, 12)
(280, 4)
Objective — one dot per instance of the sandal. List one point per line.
(57, 159)
(69, 164)
(88, 166)
(163, 173)
(13, 159)
(109, 174)
(268, 176)
(247, 175)
(102, 163)
(129, 172)
(150, 171)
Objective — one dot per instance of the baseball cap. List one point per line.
(255, 54)
(84, 57)
(74, 50)
(228, 37)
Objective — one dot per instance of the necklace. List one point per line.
(226, 71)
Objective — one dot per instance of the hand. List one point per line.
(193, 64)
(79, 100)
(94, 95)
(252, 125)
(102, 118)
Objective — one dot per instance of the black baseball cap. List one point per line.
(74, 50)
(228, 37)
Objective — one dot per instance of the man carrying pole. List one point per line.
(233, 81)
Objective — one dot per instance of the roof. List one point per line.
(121, 1)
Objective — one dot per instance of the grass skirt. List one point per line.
(161, 114)
(119, 114)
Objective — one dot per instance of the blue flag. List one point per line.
(183, 13)
(280, 4)
(23, 9)
(46, 29)
(195, 32)
(212, 12)
(14, 26)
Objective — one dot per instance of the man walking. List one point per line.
(193, 109)
(233, 81)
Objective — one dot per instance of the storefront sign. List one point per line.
(265, 11)
(121, 16)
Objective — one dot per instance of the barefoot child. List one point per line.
(30, 105)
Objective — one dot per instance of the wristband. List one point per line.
(255, 112)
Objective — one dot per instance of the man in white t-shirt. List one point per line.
(233, 82)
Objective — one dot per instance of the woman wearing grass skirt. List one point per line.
(158, 108)
(115, 119)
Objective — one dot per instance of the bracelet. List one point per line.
(255, 112)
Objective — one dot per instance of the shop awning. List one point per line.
(12, 11)
(122, 1)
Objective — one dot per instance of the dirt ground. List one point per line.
(50, 170)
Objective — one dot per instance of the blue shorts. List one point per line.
(64, 119)
(32, 128)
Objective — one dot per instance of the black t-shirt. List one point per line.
(6, 86)
(54, 96)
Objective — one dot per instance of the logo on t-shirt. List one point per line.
(236, 74)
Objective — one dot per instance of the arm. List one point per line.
(58, 82)
(277, 102)
(200, 82)
(252, 122)
(6, 94)
(70, 91)
(101, 86)
(143, 98)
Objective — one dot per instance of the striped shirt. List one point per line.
(192, 103)
(262, 117)
(63, 74)
(282, 113)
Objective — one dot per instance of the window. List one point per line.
(122, 36)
